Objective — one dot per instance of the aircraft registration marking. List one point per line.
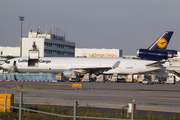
(129, 67)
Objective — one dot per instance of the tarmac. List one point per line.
(157, 97)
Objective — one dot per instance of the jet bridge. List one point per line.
(33, 56)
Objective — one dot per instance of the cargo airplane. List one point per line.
(151, 59)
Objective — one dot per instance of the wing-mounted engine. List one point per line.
(156, 54)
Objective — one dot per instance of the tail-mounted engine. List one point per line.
(156, 54)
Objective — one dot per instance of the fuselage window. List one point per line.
(7, 62)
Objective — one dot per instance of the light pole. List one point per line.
(21, 18)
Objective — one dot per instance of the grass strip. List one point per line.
(89, 111)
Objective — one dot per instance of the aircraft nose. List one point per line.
(4, 66)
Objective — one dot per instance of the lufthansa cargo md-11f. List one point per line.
(151, 59)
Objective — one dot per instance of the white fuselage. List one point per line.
(59, 64)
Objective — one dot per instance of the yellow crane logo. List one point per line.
(162, 43)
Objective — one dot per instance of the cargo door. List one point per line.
(33, 58)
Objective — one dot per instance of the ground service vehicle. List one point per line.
(147, 81)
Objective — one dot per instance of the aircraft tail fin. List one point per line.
(162, 42)
(157, 51)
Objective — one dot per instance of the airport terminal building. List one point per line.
(8, 51)
(49, 45)
(94, 52)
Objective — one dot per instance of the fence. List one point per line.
(75, 109)
(71, 99)
(33, 77)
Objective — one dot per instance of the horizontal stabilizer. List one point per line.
(156, 64)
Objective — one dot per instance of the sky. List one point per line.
(119, 24)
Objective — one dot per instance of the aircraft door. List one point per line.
(14, 64)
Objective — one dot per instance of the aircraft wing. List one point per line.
(95, 70)
(156, 64)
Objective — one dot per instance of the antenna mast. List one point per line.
(31, 29)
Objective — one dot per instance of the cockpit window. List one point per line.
(7, 62)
